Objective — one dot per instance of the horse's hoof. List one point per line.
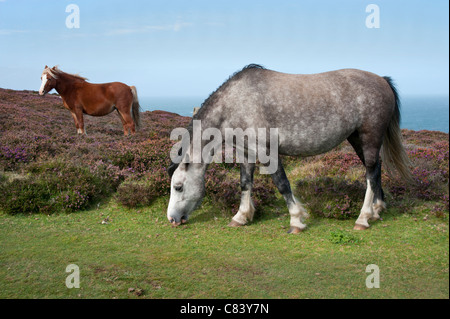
(294, 230)
(234, 223)
(360, 227)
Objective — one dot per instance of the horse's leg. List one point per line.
(80, 120)
(367, 211)
(246, 208)
(75, 120)
(374, 198)
(125, 131)
(375, 176)
(355, 141)
(127, 121)
(131, 124)
(378, 200)
(296, 210)
(74, 115)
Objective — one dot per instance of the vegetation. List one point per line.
(99, 201)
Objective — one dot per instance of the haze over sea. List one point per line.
(418, 112)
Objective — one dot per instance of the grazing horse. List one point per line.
(313, 114)
(80, 97)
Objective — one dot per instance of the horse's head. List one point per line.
(48, 80)
(187, 190)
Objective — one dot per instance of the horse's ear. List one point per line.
(184, 163)
(186, 160)
(54, 68)
(46, 66)
(183, 166)
(172, 169)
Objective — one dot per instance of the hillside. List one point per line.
(38, 138)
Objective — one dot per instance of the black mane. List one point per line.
(210, 100)
(234, 76)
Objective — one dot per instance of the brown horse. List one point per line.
(80, 97)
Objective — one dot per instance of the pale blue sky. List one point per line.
(188, 48)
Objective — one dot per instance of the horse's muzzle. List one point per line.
(176, 223)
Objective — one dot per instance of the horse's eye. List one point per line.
(178, 188)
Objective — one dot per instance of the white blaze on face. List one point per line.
(44, 81)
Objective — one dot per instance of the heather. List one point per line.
(46, 167)
(333, 184)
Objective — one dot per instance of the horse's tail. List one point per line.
(135, 108)
(393, 153)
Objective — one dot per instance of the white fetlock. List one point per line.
(378, 207)
(298, 215)
(246, 209)
(240, 218)
(366, 210)
(363, 219)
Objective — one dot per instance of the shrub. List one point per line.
(223, 187)
(12, 157)
(25, 196)
(332, 197)
(339, 163)
(143, 191)
(54, 186)
(3, 178)
(111, 175)
(430, 174)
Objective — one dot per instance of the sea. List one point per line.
(417, 112)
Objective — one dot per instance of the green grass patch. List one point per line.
(117, 249)
(341, 238)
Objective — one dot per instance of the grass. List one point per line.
(205, 259)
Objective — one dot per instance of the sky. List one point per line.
(189, 48)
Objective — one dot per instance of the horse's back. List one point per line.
(321, 110)
(102, 98)
(110, 89)
(313, 112)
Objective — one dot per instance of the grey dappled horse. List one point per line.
(313, 113)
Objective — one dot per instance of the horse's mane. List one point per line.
(233, 77)
(55, 72)
(210, 101)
